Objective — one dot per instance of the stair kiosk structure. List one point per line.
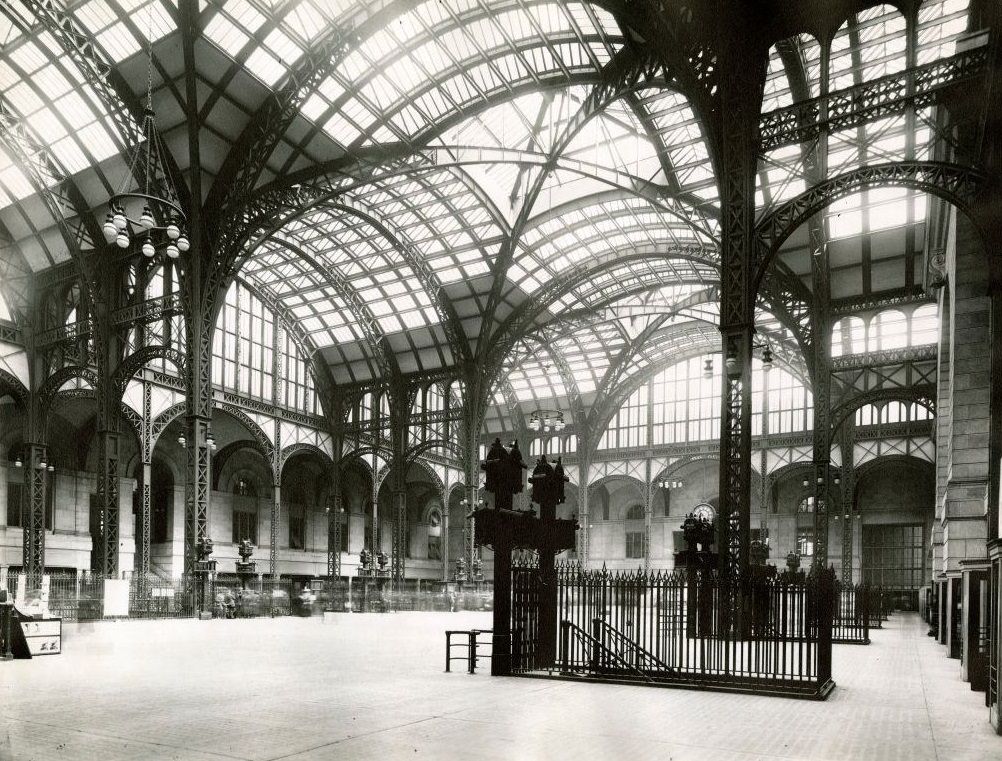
(504, 530)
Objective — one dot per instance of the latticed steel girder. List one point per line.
(135, 361)
(566, 324)
(33, 549)
(847, 491)
(675, 35)
(523, 318)
(197, 490)
(887, 96)
(908, 374)
(514, 410)
(156, 308)
(922, 393)
(109, 444)
(958, 185)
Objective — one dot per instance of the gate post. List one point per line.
(501, 638)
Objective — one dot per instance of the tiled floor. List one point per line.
(373, 687)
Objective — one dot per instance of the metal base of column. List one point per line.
(501, 655)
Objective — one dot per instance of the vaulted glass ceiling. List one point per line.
(483, 187)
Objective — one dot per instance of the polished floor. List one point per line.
(373, 687)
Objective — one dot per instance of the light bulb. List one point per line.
(173, 231)
(148, 248)
(122, 240)
(182, 243)
(172, 251)
(119, 219)
(109, 229)
(146, 218)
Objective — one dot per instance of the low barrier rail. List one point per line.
(470, 643)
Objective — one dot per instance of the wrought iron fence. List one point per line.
(853, 614)
(80, 597)
(683, 629)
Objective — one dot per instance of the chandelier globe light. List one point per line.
(150, 216)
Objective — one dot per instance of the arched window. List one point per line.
(894, 412)
(868, 414)
(243, 345)
(925, 325)
(888, 330)
(435, 535)
(848, 336)
(940, 24)
(628, 428)
(299, 392)
(244, 512)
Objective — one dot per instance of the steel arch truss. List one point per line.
(953, 183)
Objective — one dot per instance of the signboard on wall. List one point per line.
(116, 597)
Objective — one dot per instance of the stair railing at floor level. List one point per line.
(601, 656)
(627, 647)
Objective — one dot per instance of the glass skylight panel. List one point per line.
(103, 18)
(232, 27)
(941, 24)
(13, 182)
(781, 176)
(426, 65)
(881, 48)
(683, 140)
(778, 89)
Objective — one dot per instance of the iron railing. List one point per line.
(679, 628)
(80, 597)
(853, 615)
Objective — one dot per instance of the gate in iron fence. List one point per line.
(853, 614)
(682, 629)
(524, 615)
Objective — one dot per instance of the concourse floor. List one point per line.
(373, 686)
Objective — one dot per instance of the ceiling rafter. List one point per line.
(621, 75)
(374, 337)
(428, 277)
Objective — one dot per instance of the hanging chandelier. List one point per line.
(150, 216)
(547, 420)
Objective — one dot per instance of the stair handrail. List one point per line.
(588, 639)
(652, 661)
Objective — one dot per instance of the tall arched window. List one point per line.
(244, 512)
(888, 330)
(925, 325)
(940, 24)
(244, 343)
(848, 336)
(628, 427)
